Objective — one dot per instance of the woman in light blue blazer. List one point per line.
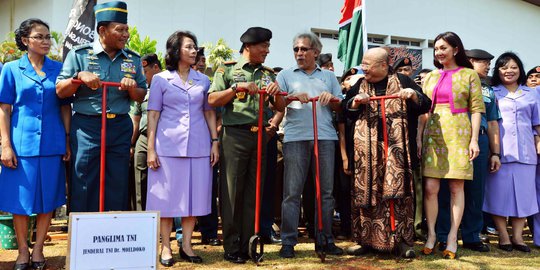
(33, 125)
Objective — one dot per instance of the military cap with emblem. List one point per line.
(533, 70)
(402, 62)
(115, 11)
(324, 58)
(479, 54)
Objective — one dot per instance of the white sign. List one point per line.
(113, 240)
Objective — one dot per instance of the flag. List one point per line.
(352, 40)
(80, 28)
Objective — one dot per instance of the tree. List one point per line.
(144, 46)
(219, 53)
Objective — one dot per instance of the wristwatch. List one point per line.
(496, 154)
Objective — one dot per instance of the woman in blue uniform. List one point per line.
(33, 125)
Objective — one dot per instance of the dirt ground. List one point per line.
(56, 251)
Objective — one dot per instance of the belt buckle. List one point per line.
(111, 115)
(254, 129)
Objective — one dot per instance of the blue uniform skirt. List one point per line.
(37, 185)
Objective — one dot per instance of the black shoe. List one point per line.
(442, 246)
(476, 246)
(167, 262)
(193, 259)
(522, 248)
(39, 265)
(211, 241)
(332, 249)
(286, 251)
(358, 250)
(507, 247)
(234, 258)
(21, 266)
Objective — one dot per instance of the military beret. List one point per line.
(115, 11)
(324, 58)
(200, 52)
(533, 70)
(479, 54)
(402, 62)
(350, 72)
(256, 35)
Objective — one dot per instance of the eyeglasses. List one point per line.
(191, 47)
(41, 38)
(303, 49)
(367, 66)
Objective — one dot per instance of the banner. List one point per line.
(80, 28)
(352, 40)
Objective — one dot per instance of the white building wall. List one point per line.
(493, 25)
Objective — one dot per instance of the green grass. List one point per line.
(306, 259)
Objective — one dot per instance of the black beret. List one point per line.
(324, 58)
(256, 35)
(350, 72)
(200, 52)
(479, 54)
(115, 11)
(533, 70)
(402, 62)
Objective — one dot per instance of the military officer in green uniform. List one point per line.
(104, 60)
(239, 136)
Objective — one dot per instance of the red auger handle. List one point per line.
(103, 148)
(382, 97)
(314, 99)
(261, 91)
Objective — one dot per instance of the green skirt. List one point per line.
(445, 147)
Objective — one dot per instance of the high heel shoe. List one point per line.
(22, 266)
(192, 259)
(429, 251)
(167, 263)
(39, 265)
(447, 254)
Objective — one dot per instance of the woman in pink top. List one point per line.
(450, 140)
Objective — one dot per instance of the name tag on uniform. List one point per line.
(93, 66)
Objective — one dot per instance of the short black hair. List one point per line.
(151, 59)
(453, 39)
(174, 43)
(502, 60)
(25, 29)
